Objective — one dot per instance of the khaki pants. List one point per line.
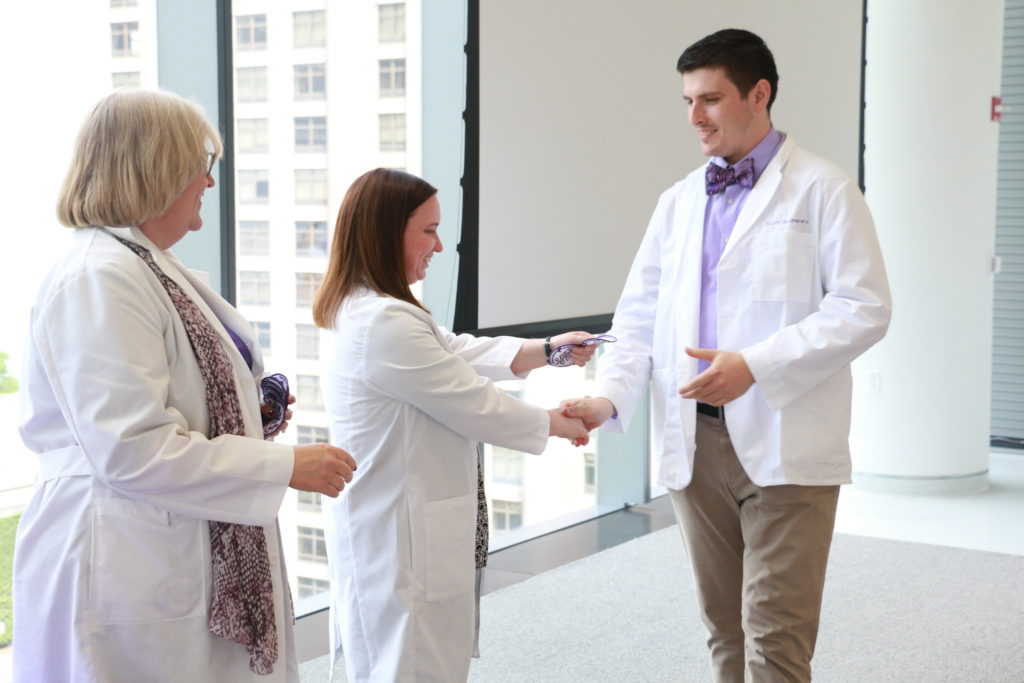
(758, 556)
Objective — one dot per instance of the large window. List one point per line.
(308, 434)
(263, 335)
(310, 81)
(284, 117)
(309, 29)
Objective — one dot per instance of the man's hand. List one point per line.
(321, 468)
(727, 379)
(593, 411)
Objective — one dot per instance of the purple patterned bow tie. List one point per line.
(716, 178)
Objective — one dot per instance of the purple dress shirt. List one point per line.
(720, 216)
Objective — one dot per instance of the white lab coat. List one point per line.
(802, 291)
(112, 562)
(409, 400)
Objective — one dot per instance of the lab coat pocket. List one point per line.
(450, 530)
(782, 266)
(147, 564)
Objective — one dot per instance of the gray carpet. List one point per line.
(893, 611)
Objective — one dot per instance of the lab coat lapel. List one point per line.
(760, 195)
(689, 229)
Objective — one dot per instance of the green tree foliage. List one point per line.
(8, 384)
(8, 526)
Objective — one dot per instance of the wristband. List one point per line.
(547, 347)
(275, 396)
(561, 357)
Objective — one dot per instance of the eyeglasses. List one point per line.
(213, 160)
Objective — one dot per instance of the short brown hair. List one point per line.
(367, 248)
(135, 154)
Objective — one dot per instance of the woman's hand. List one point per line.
(568, 428)
(580, 355)
(267, 412)
(322, 468)
(593, 411)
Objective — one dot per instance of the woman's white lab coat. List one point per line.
(409, 398)
(112, 561)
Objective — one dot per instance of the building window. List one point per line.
(124, 38)
(251, 32)
(309, 587)
(262, 335)
(309, 28)
(392, 132)
(124, 3)
(126, 79)
(312, 547)
(506, 515)
(311, 186)
(311, 238)
(306, 285)
(251, 84)
(251, 135)
(308, 435)
(391, 22)
(589, 472)
(310, 81)
(507, 466)
(310, 501)
(307, 344)
(310, 133)
(253, 288)
(307, 393)
(392, 78)
(254, 238)
(253, 187)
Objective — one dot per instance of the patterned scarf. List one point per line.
(242, 608)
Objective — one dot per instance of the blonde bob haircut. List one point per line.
(136, 153)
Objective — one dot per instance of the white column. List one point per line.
(922, 395)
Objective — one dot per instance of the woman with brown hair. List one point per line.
(412, 399)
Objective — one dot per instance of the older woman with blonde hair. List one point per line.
(150, 549)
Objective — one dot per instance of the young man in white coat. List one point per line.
(758, 281)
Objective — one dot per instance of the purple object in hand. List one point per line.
(275, 396)
(561, 357)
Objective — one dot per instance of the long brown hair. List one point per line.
(368, 237)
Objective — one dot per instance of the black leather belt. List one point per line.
(713, 411)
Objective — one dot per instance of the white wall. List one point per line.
(922, 401)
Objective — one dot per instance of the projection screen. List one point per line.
(583, 124)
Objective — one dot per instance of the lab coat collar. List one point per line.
(760, 195)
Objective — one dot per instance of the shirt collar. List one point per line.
(762, 154)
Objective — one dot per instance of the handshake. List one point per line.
(574, 418)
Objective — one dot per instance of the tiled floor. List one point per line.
(988, 521)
